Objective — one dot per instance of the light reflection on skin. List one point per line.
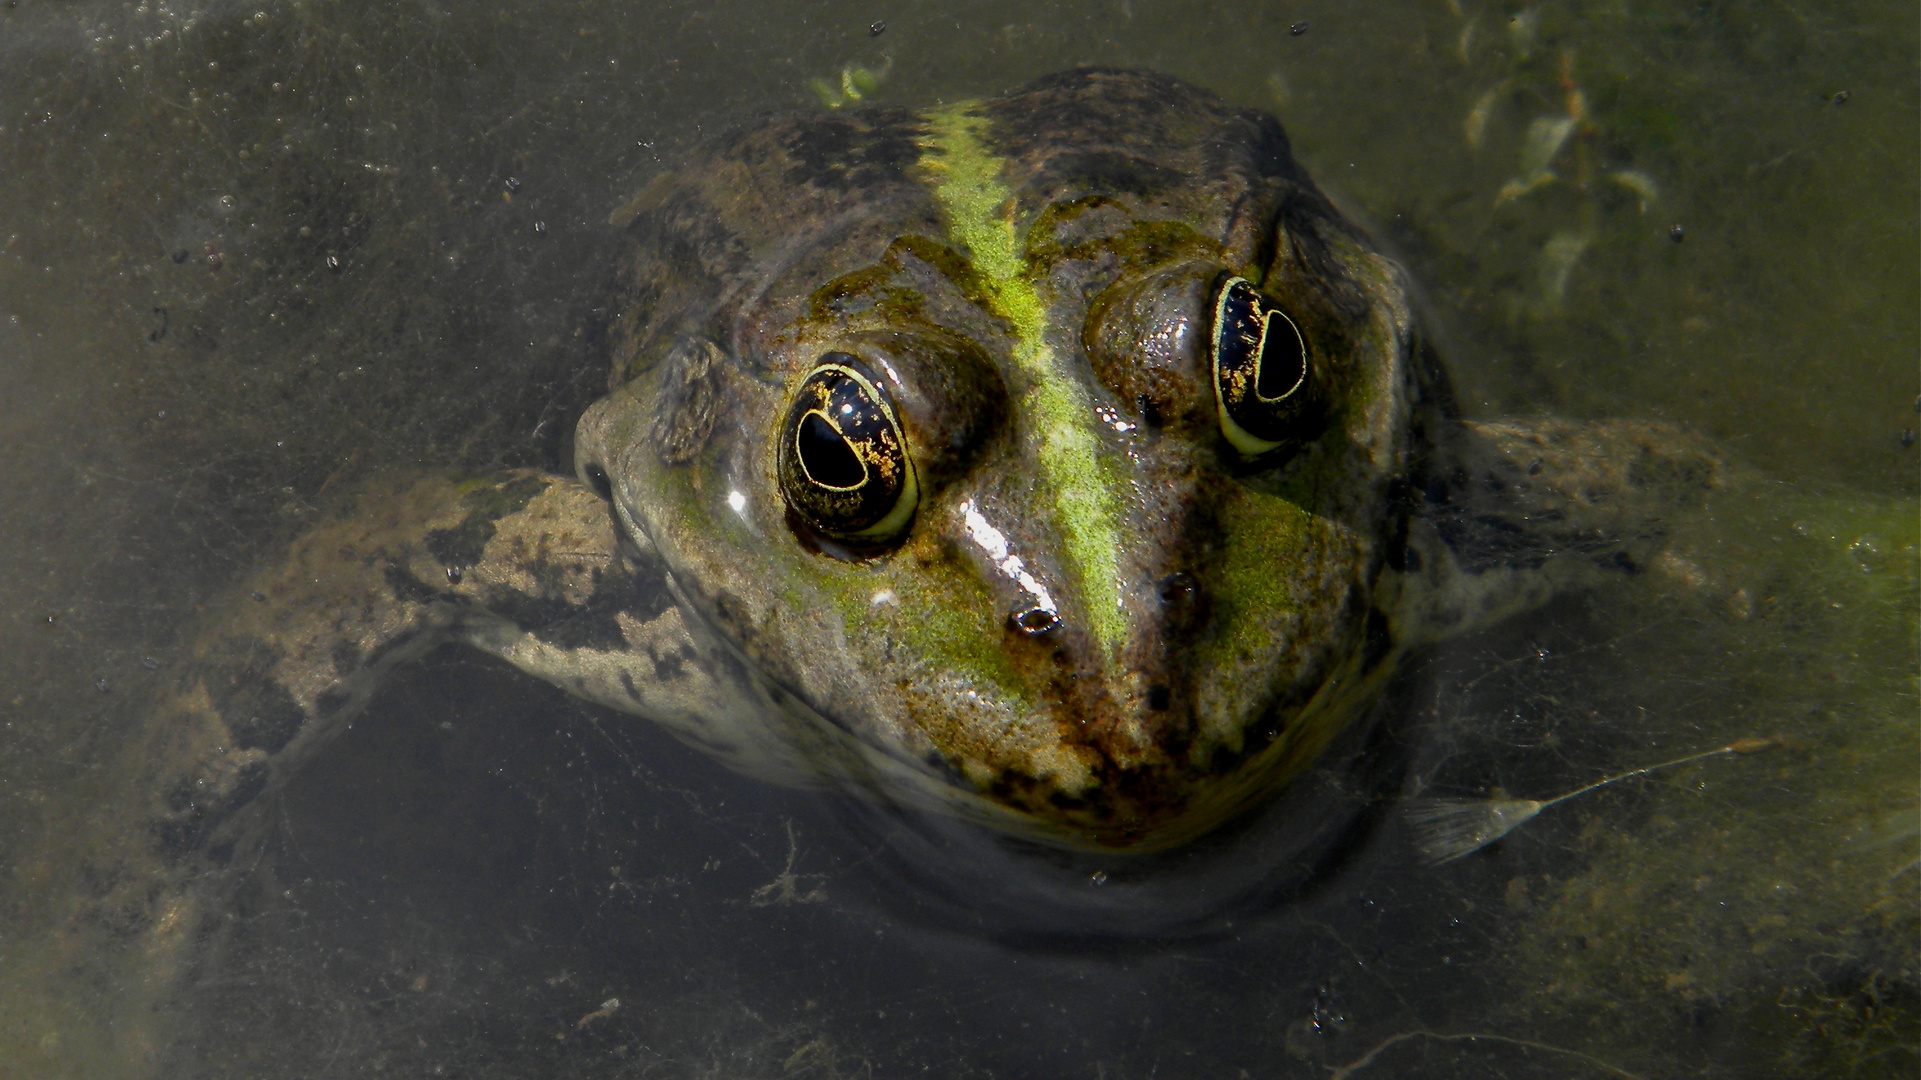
(1113, 418)
(994, 543)
(737, 503)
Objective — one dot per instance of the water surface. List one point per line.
(253, 255)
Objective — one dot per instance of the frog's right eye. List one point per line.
(844, 465)
(1263, 376)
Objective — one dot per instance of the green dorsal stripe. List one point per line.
(980, 214)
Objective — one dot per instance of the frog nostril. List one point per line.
(1184, 607)
(1179, 588)
(1034, 621)
(596, 478)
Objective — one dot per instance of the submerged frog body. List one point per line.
(1063, 461)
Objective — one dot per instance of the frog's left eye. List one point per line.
(844, 467)
(1263, 381)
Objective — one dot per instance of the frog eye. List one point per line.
(1262, 379)
(844, 467)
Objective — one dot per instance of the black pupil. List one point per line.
(1282, 364)
(825, 455)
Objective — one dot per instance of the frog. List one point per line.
(1063, 462)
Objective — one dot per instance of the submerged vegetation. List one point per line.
(253, 256)
(1767, 910)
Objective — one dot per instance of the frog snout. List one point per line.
(591, 445)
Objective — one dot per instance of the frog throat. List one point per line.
(980, 210)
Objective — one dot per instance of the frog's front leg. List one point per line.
(1507, 513)
(281, 666)
(525, 565)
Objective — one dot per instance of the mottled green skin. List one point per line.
(1058, 246)
(1062, 241)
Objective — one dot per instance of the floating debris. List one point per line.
(1638, 182)
(1545, 138)
(1558, 257)
(1475, 126)
(856, 82)
(1277, 85)
(1521, 185)
(1522, 29)
(1447, 829)
(789, 887)
(607, 1009)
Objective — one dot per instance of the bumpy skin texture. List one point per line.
(1030, 279)
(1036, 273)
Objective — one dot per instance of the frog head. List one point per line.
(1043, 444)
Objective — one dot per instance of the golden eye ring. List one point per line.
(1263, 375)
(844, 465)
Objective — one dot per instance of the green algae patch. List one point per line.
(980, 210)
(1140, 245)
(939, 611)
(1258, 572)
(873, 288)
(883, 293)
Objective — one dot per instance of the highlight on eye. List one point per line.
(844, 466)
(1263, 379)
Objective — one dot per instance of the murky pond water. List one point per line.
(253, 257)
